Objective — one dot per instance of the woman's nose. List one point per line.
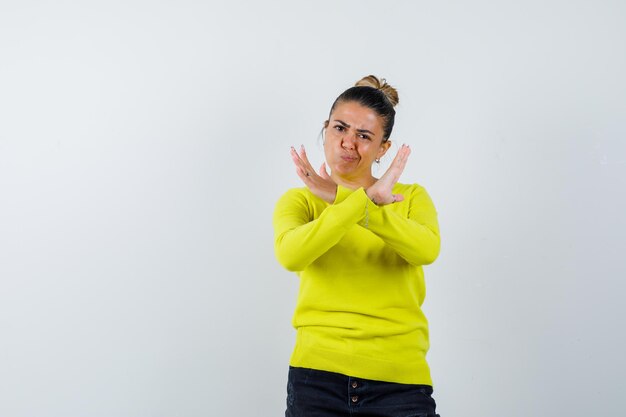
(348, 142)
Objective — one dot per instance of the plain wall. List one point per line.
(143, 145)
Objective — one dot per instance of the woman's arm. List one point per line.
(416, 238)
(299, 239)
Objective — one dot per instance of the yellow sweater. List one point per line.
(361, 281)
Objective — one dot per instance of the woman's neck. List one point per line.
(354, 183)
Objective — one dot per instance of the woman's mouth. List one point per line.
(348, 158)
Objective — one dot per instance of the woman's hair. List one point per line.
(374, 93)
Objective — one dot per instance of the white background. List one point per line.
(143, 145)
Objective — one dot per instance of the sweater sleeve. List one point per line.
(299, 238)
(414, 237)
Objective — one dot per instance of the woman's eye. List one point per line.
(364, 137)
(339, 128)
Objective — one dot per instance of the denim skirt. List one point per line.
(313, 393)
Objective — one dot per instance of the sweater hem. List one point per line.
(414, 372)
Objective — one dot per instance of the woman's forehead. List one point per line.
(357, 116)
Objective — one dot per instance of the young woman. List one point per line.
(358, 244)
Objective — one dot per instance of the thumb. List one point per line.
(397, 198)
(323, 172)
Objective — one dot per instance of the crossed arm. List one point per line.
(301, 235)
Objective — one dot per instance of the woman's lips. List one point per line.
(348, 158)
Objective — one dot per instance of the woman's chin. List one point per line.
(346, 167)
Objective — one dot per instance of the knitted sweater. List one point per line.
(361, 281)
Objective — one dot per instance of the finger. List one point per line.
(399, 162)
(323, 172)
(302, 169)
(397, 198)
(304, 175)
(298, 161)
(301, 161)
(403, 153)
(305, 158)
(294, 155)
(397, 166)
(406, 151)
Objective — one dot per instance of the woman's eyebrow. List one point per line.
(344, 124)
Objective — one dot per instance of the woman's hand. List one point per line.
(320, 185)
(380, 191)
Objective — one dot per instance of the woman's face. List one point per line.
(354, 139)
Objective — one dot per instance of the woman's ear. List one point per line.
(325, 124)
(384, 147)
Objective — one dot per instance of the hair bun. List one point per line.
(380, 84)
